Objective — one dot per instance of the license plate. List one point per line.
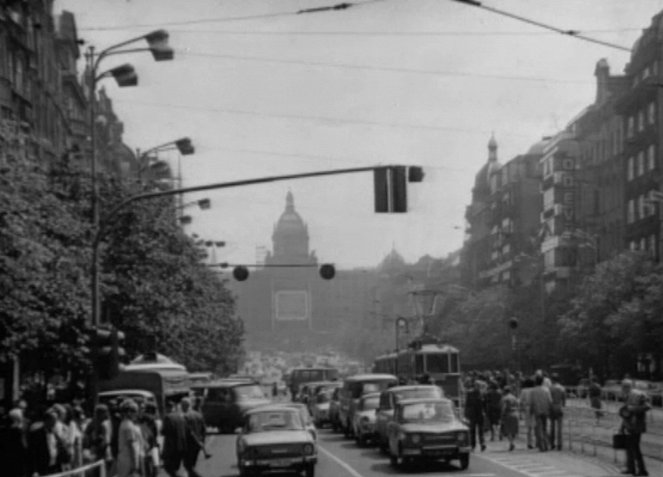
(277, 462)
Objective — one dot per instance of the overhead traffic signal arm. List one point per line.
(108, 343)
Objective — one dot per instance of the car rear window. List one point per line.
(419, 393)
(249, 391)
(428, 412)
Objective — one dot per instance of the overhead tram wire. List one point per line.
(301, 117)
(262, 16)
(391, 69)
(571, 33)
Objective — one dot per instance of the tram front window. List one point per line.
(437, 363)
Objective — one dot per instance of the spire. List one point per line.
(289, 202)
(492, 148)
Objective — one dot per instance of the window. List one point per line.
(652, 246)
(651, 157)
(641, 120)
(642, 207)
(630, 213)
(651, 113)
(629, 169)
(548, 199)
(641, 163)
(643, 243)
(654, 68)
(630, 124)
(633, 245)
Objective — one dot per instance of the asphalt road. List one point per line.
(340, 457)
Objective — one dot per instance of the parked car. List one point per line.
(428, 429)
(388, 400)
(320, 405)
(273, 437)
(363, 422)
(225, 401)
(611, 390)
(353, 388)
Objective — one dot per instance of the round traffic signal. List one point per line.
(513, 323)
(240, 273)
(327, 271)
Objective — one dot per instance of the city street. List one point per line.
(340, 457)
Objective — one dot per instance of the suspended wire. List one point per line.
(381, 68)
(302, 117)
(571, 33)
(262, 16)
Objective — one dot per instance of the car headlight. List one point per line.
(415, 438)
(402, 436)
(461, 437)
(308, 449)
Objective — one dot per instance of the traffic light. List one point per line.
(240, 273)
(108, 346)
(327, 271)
(513, 323)
(390, 187)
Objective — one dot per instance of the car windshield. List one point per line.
(370, 403)
(323, 397)
(251, 391)
(281, 420)
(427, 412)
(434, 392)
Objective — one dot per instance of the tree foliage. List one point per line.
(155, 285)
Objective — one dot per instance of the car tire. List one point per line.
(361, 440)
(309, 471)
(464, 460)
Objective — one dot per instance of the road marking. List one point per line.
(528, 466)
(354, 473)
(340, 462)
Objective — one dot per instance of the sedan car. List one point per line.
(275, 438)
(363, 421)
(427, 429)
(304, 415)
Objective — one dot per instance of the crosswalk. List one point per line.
(528, 465)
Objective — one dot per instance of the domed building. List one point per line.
(290, 239)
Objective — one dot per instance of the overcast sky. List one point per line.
(264, 91)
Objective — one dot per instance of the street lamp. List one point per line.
(400, 322)
(125, 75)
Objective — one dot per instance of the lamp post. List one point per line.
(125, 75)
(400, 322)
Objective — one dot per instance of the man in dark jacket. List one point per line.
(195, 436)
(474, 413)
(174, 440)
(45, 447)
(634, 424)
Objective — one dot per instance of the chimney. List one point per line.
(602, 73)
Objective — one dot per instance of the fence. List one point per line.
(587, 434)
(96, 469)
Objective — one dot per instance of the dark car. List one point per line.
(428, 429)
(274, 438)
(225, 401)
(388, 400)
(356, 386)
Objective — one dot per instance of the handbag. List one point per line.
(619, 441)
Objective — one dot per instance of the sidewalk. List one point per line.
(573, 463)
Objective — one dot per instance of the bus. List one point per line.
(421, 362)
(298, 376)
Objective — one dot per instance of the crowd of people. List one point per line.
(496, 404)
(127, 436)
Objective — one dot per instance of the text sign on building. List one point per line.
(566, 165)
(291, 305)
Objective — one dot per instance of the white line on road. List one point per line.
(354, 473)
(340, 462)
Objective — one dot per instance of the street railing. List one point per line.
(96, 469)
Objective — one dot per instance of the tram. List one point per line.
(421, 362)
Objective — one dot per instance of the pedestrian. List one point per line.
(558, 396)
(634, 424)
(540, 407)
(526, 410)
(14, 446)
(47, 451)
(493, 400)
(509, 416)
(97, 437)
(129, 442)
(474, 413)
(174, 439)
(196, 430)
(147, 422)
(594, 395)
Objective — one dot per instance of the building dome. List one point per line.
(290, 222)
